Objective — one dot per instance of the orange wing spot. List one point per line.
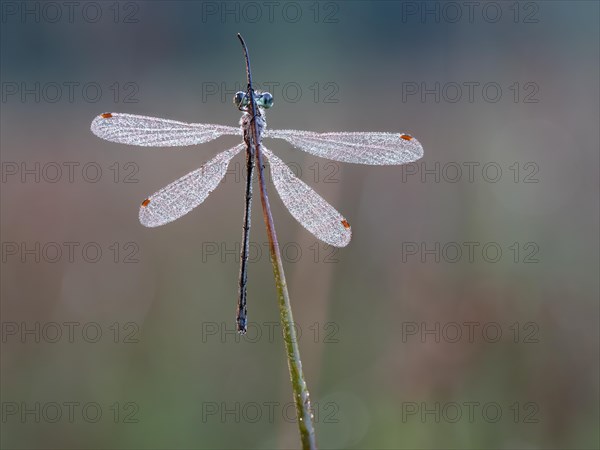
(346, 224)
(146, 202)
(406, 137)
(106, 115)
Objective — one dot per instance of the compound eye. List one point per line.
(265, 100)
(238, 98)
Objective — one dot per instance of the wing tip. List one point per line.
(344, 237)
(98, 122)
(416, 147)
(145, 216)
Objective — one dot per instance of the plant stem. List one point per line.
(301, 394)
(300, 390)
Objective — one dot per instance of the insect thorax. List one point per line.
(246, 124)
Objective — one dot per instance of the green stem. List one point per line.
(300, 390)
(301, 394)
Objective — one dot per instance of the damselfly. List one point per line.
(305, 205)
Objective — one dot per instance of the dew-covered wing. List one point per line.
(360, 148)
(184, 194)
(308, 207)
(154, 132)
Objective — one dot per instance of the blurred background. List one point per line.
(463, 314)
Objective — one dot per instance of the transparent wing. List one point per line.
(183, 195)
(361, 148)
(153, 132)
(308, 207)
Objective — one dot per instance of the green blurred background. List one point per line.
(405, 342)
